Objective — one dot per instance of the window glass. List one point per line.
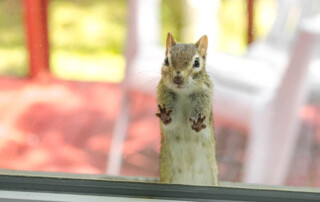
(94, 113)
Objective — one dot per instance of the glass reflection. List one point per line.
(105, 59)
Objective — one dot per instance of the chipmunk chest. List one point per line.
(191, 157)
(182, 110)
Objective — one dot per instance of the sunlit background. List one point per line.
(83, 117)
(87, 38)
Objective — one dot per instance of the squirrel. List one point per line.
(184, 96)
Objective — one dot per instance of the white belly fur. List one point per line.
(191, 152)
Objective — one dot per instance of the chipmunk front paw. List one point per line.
(198, 123)
(164, 115)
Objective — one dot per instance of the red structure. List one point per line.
(250, 20)
(37, 36)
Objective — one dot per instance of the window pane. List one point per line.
(95, 112)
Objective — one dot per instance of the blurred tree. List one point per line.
(13, 54)
(88, 39)
(85, 25)
(173, 19)
(233, 26)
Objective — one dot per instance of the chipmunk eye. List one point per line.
(166, 62)
(196, 63)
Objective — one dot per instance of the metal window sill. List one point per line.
(144, 188)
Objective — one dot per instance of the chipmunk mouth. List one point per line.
(176, 86)
(179, 86)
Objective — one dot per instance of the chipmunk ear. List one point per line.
(202, 45)
(170, 42)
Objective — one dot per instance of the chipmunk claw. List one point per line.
(198, 124)
(164, 115)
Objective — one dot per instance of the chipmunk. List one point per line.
(184, 98)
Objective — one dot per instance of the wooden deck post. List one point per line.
(250, 20)
(37, 37)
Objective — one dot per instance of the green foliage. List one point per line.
(232, 16)
(87, 37)
(12, 31)
(13, 54)
(172, 18)
(88, 26)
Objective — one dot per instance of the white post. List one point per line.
(274, 129)
(143, 30)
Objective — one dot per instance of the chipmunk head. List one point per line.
(184, 64)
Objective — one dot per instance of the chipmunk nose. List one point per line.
(178, 80)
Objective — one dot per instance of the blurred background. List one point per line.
(78, 82)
